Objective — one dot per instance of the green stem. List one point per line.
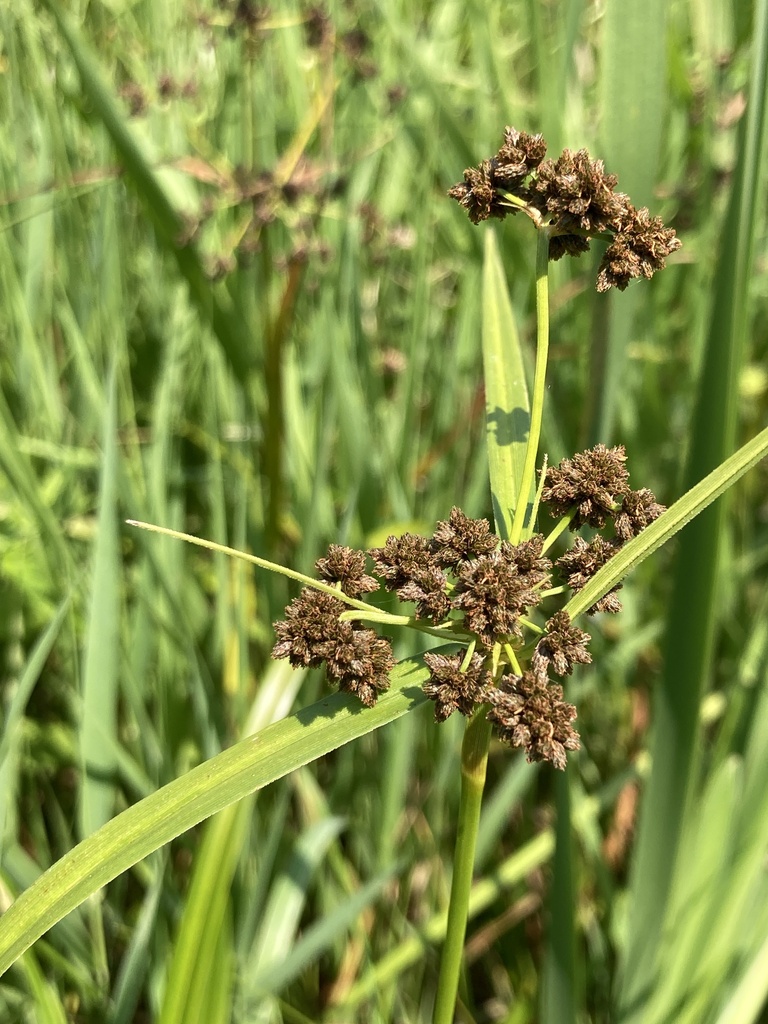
(388, 619)
(262, 563)
(474, 757)
(561, 527)
(539, 379)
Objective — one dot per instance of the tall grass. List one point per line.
(275, 365)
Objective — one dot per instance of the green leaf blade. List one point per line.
(249, 765)
(508, 411)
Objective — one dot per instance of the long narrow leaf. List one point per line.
(668, 524)
(212, 301)
(506, 392)
(100, 669)
(696, 597)
(249, 765)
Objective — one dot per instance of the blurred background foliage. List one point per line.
(237, 302)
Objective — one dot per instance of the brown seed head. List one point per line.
(346, 566)
(638, 510)
(562, 646)
(591, 481)
(311, 629)
(459, 539)
(361, 665)
(577, 193)
(407, 566)
(580, 564)
(494, 590)
(454, 690)
(529, 712)
(639, 249)
(574, 198)
(477, 194)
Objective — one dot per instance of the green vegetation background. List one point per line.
(236, 302)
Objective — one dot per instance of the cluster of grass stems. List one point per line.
(329, 352)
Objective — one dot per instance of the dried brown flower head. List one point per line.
(580, 564)
(311, 629)
(578, 194)
(567, 245)
(356, 659)
(361, 665)
(638, 510)
(459, 539)
(519, 155)
(407, 566)
(477, 193)
(454, 690)
(402, 559)
(346, 566)
(591, 482)
(494, 590)
(478, 589)
(428, 593)
(562, 646)
(574, 199)
(638, 250)
(530, 712)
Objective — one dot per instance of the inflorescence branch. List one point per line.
(574, 200)
(466, 584)
(487, 592)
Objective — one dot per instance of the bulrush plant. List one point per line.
(469, 587)
(503, 607)
(497, 595)
(504, 610)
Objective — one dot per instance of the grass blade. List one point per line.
(633, 102)
(506, 391)
(98, 728)
(195, 961)
(691, 625)
(249, 765)
(213, 302)
(670, 522)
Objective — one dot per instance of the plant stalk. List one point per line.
(539, 381)
(474, 758)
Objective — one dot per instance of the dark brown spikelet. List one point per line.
(580, 564)
(591, 481)
(494, 590)
(346, 566)
(530, 712)
(519, 155)
(578, 194)
(402, 559)
(427, 591)
(638, 510)
(562, 646)
(639, 249)
(528, 558)
(477, 194)
(361, 665)
(458, 539)
(454, 690)
(311, 629)
(407, 566)
(567, 245)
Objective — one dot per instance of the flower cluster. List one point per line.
(467, 585)
(593, 489)
(574, 200)
(312, 633)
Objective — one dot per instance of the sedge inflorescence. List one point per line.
(573, 199)
(485, 593)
